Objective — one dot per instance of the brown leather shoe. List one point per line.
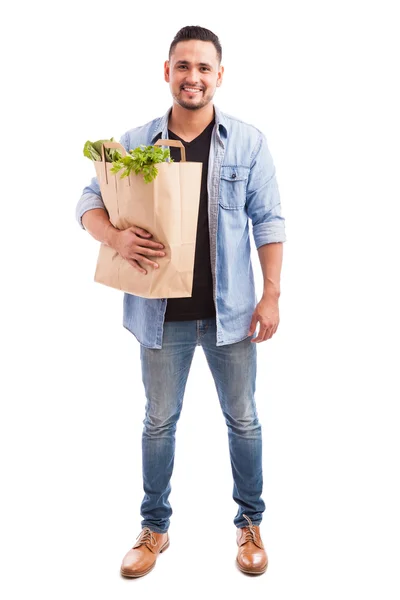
(141, 559)
(251, 557)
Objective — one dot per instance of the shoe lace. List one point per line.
(250, 534)
(146, 535)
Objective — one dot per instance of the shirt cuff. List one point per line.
(267, 233)
(88, 202)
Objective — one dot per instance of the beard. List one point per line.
(194, 104)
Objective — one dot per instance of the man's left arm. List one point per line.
(264, 209)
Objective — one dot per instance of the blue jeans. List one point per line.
(164, 373)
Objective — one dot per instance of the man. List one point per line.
(238, 183)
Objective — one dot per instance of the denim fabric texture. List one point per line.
(164, 374)
(242, 186)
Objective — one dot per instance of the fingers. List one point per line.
(150, 244)
(264, 334)
(136, 266)
(141, 231)
(260, 336)
(150, 252)
(146, 242)
(145, 260)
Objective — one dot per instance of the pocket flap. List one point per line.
(234, 173)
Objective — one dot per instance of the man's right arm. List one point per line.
(134, 243)
(97, 223)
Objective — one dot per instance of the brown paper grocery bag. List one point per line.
(168, 207)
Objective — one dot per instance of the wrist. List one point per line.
(111, 236)
(271, 292)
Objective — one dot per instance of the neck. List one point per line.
(188, 124)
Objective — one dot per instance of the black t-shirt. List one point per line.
(201, 304)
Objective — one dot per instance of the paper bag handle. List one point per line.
(103, 158)
(176, 144)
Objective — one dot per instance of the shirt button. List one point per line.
(233, 175)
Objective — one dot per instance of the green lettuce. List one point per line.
(92, 150)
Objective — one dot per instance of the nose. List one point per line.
(192, 77)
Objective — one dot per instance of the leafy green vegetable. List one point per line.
(142, 160)
(93, 151)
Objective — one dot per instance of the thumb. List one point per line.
(253, 325)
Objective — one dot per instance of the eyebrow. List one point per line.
(186, 62)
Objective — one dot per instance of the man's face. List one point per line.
(193, 73)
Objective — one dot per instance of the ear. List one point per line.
(220, 76)
(166, 70)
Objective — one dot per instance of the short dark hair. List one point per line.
(194, 32)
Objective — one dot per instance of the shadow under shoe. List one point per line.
(252, 557)
(142, 557)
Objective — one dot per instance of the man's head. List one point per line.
(194, 69)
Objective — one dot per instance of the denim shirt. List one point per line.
(241, 185)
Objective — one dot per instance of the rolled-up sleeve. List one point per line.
(263, 199)
(91, 194)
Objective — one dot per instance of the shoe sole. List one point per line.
(253, 572)
(130, 574)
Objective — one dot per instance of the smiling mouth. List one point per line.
(190, 90)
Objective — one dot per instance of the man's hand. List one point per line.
(267, 314)
(134, 244)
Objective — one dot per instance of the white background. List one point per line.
(320, 79)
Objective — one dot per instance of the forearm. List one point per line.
(97, 223)
(271, 264)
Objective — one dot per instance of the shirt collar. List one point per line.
(161, 125)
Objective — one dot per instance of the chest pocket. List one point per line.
(232, 189)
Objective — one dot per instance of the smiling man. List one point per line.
(192, 80)
(238, 184)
